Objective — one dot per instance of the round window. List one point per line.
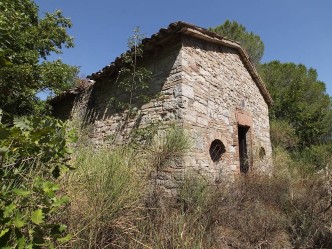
(217, 149)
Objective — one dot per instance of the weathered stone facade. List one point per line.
(220, 96)
(207, 85)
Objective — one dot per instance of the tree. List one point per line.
(26, 41)
(251, 42)
(33, 150)
(300, 99)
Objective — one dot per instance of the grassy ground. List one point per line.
(112, 205)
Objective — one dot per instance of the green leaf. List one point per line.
(29, 246)
(37, 217)
(64, 239)
(58, 202)
(21, 192)
(62, 228)
(3, 232)
(18, 222)
(21, 243)
(49, 188)
(21, 123)
(8, 210)
(51, 246)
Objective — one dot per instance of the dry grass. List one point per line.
(106, 193)
(111, 207)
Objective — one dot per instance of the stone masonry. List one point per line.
(205, 84)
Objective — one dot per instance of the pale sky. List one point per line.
(298, 31)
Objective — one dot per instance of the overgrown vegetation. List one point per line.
(33, 149)
(112, 199)
(110, 187)
(33, 153)
(106, 197)
(26, 41)
(113, 205)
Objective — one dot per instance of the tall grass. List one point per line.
(168, 148)
(106, 191)
(111, 202)
(109, 190)
(290, 209)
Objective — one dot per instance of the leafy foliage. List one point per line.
(317, 156)
(299, 99)
(283, 134)
(25, 43)
(33, 153)
(33, 150)
(251, 42)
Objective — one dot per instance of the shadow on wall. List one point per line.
(108, 100)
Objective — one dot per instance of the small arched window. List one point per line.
(217, 149)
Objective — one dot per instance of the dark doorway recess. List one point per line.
(243, 148)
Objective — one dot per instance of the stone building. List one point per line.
(206, 84)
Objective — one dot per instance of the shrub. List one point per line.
(308, 207)
(283, 135)
(317, 156)
(247, 213)
(33, 153)
(309, 212)
(176, 225)
(108, 190)
(254, 211)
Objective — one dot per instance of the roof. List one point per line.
(193, 31)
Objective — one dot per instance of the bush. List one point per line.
(108, 190)
(247, 213)
(317, 156)
(283, 135)
(289, 209)
(33, 154)
(309, 212)
(308, 207)
(176, 225)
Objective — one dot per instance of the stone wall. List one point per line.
(110, 126)
(218, 94)
(203, 87)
